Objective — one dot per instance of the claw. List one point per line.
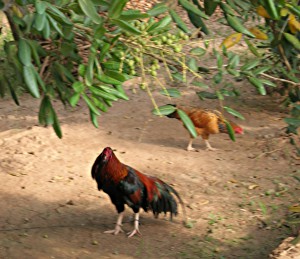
(208, 146)
(136, 227)
(192, 149)
(211, 149)
(115, 231)
(118, 228)
(133, 232)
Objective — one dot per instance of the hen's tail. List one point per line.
(164, 201)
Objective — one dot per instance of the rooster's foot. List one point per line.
(135, 231)
(211, 149)
(115, 231)
(192, 149)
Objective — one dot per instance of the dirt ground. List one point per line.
(236, 197)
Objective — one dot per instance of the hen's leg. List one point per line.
(118, 225)
(208, 146)
(189, 147)
(136, 226)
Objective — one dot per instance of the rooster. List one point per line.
(206, 122)
(125, 185)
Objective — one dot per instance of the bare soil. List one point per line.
(236, 197)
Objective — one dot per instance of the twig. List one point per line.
(45, 64)
(287, 63)
(280, 79)
(269, 152)
(166, 66)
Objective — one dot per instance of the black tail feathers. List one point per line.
(166, 202)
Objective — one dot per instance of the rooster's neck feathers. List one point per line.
(116, 170)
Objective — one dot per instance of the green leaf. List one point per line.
(24, 52)
(34, 48)
(40, 21)
(104, 50)
(187, 122)
(271, 8)
(203, 69)
(90, 104)
(11, 89)
(178, 77)
(206, 95)
(55, 25)
(170, 92)
(198, 51)
(40, 6)
(196, 20)
(217, 78)
(115, 8)
(99, 31)
(192, 64)
(78, 87)
(94, 119)
(179, 22)
(293, 121)
(227, 9)
(250, 65)
(219, 60)
(260, 70)
(267, 82)
(31, 81)
(293, 40)
(164, 110)
(162, 24)
(89, 73)
(108, 80)
(56, 125)
(125, 26)
(116, 75)
(235, 24)
(100, 104)
(157, 9)
(115, 92)
(3, 86)
(230, 130)
(243, 4)
(233, 72)
(252, 48)
(234, 112)
(210, 6)
(258, 84)
(46, 30)
(46, 116)
(59, 16)
(39, 80)
(219, 95)
(74, 99)
(130, 15)
(87, 6)
(103, 94)
(233, 61)
(112, 65)
(232, 4)
(200, 84)
(193, 8)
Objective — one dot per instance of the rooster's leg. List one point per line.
(118, 225)
(189, 147)
(136, 226)
(208, 146)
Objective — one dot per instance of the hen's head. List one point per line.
(106, 154)
(237, 129)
